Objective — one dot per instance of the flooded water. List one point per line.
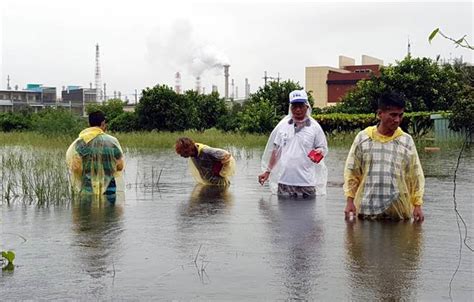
(173, 240)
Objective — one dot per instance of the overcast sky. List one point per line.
(144, 43)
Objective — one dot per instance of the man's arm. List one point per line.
(262, 178)
(352, 178)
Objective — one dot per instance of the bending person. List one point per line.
(209, 166)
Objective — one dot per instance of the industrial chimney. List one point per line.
(198, 85)
(177, 85)
(226, 84)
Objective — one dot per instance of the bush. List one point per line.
(11, 121)
(415, 123)
(59, 121)
(125, 122)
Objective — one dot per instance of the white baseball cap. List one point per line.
(298, 96)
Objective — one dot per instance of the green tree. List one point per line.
(125, 122)
(277, 94)
(210, 108)
(258, 117)
(427, 85)
(59, 121)
(462, 42)
(160, 108)
(111, 108)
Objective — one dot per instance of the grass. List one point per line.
(212, 137)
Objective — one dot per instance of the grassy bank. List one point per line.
(166, 140)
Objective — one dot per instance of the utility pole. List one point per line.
(266, 77)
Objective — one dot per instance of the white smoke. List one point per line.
(181, 49)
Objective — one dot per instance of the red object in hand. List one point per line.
(216, 168)
(315, 156)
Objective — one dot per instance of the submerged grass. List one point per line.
(33, 176)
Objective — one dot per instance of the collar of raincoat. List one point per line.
(90, 133)
(373, 134)
(200, 147)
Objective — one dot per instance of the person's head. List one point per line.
(185, 147)
(390, 109)
(298, 104)
(97, 119)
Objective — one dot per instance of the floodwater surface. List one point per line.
(170, 239)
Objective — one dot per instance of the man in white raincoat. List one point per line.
(95, 160)
(383, 177)
(286, 161)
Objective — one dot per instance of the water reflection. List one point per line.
(207, 200)
(297, 232)
(98, 226)
(383, 259)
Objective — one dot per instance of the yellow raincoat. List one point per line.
(95, 161)
(212, 166)
(384, 174)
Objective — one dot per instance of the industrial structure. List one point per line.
(35, 96)
(328, 85)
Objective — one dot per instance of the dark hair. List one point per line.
(96, 118)
(391, 99)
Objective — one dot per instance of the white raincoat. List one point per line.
(291, 148)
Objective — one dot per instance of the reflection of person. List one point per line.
(297, 233)
(383, 177)
(207, 200)
(98, 228)
(285, 160)
(383, 259)
(95, 160)
(209, 166)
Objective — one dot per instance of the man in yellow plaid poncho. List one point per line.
(383, 177)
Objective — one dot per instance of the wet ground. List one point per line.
(173, 240)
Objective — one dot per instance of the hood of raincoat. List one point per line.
(375, 135)
(89, 134)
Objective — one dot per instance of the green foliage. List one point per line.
(160, 108)
(277, 93)
(427, 86)
(415, 123)
(111, 108)
(258, 117)
(9, 256)
(461, 42)
(231, 120)
(125, 122)
(210, 108)
(462, 117)
(53, 122)
(13, 121)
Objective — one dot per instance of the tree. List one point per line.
(160, 108)
(111, 108)
(427, 85)
(258, 117)
(210, 108)
(277, 94)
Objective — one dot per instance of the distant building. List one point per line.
(76, 98)
(34, 96)
(328, 85)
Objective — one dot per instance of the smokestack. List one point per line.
(247, 90)
(214, 88)
(226, 85)
(198, 85)
(233, 89)
(177, 84)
